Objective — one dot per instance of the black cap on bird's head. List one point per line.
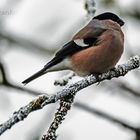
(111, 16)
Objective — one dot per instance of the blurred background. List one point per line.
(30, 33)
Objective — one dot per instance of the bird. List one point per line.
(95, 49)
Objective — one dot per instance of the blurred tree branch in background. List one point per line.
(106, 116)
(128, 88)
(6, 83)
(17, 40)
(25, 43)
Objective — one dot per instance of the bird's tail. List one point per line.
(50, 64)
(34, 76)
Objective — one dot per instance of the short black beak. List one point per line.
(121, 22)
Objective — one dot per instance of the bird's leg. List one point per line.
(97, 77)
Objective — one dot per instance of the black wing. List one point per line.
(69, 49)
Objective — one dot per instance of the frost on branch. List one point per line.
(65, 105)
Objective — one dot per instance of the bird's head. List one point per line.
(110, 16)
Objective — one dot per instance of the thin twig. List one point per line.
(72, 89)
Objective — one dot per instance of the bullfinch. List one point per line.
(95, 49)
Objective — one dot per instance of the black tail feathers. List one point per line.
(50, 64)
(34, 76)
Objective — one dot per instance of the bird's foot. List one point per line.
(97, 76)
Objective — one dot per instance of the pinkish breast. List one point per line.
(99, 58)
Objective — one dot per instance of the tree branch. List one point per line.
(22, 113)
(72, 89)
(65, 105)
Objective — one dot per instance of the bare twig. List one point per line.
(65, 105)
(72, 89)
